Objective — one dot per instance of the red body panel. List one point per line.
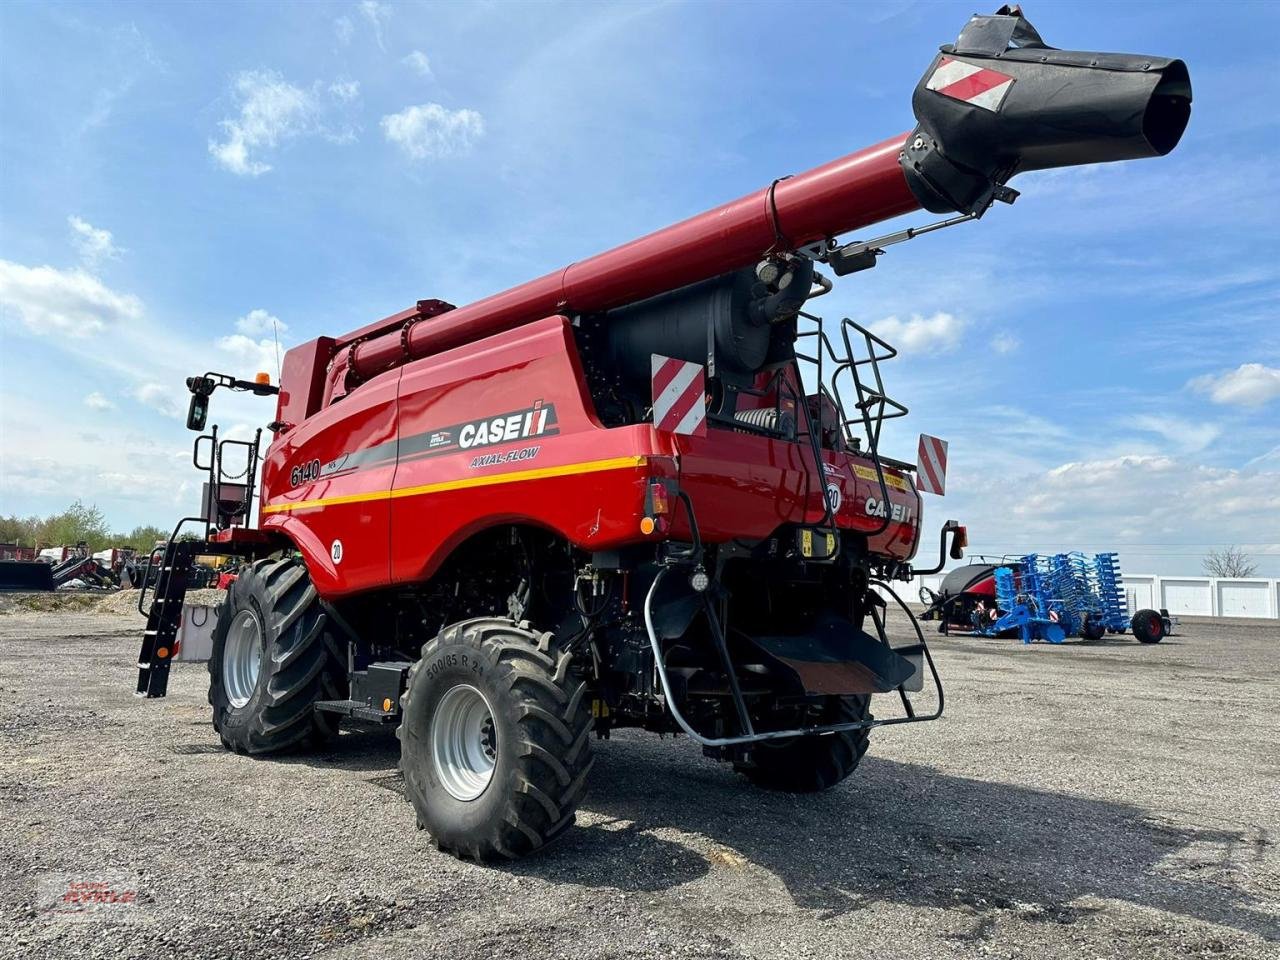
(415, 461)
(302, 380)
(576, 478)
(350, 506)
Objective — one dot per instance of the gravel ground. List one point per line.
(1077, 801)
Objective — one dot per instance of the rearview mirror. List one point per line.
(198, 412)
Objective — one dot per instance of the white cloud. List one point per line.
(93, 244)
(377, 14)
(1160, 512)
(67, 302)
(430, 131)
(345, 91)
(342, 29)
(1005, 342)
(125, 57)
(1182, 435)
(419, 62)
(939, 333)
(162, 398)
(250, 355)
(96, 401)
(274, 111)
(259, 322)
(1249, 385)
(271, 111)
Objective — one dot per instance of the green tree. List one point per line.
(78, 522)
(142, 538)
(19, 530)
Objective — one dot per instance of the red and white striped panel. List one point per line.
(931, 465)
(976, 85)
(679, 396)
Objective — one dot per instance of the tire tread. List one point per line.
(303, 664)
(545, 702)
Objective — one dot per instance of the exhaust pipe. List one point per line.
(1000, 101)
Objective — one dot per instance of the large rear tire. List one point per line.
(812, 764)
(272, 660)
(494, 739)
(1148, 626)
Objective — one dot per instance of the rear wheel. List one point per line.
(811, 764)
(1092, 628)
(1148, 626)
(494, 740)
(272, 660)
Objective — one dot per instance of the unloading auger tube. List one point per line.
(997, 102)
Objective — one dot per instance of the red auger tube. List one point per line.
(854, 191)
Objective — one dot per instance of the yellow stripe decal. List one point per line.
(568, 469)
(866, 473)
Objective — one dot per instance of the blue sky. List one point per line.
(1102, 356)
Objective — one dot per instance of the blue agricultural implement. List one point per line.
(1036, 597)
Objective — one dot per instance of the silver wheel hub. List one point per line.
(464, 742)
(242, 657)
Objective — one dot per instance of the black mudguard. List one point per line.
(835, 658)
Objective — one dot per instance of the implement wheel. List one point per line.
(272, 660)
(811, 764)
(494, 739)
(1092, 628)
(1148, 626)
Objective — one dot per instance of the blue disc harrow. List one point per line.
(1054, 597)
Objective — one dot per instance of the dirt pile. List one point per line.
(125, 603)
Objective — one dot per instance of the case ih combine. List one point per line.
(609, 497)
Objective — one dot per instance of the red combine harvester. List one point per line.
(644, 490)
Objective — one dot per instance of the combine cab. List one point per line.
(645, 490)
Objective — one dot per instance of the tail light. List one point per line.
(657, 508)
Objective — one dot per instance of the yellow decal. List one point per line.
(569, 469)
(866, 473)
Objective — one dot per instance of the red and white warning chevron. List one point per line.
(931, 465)
(679, 396)
(976, 85)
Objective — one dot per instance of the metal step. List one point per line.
(358, 710)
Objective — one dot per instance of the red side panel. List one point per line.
(302, 380)
(746, 486)
(341, 462)
(501, 433)
(742, 485)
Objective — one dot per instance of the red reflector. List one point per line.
(658, 498)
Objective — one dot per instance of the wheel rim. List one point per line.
(1156, 626)
(242, 657)
(464, 742)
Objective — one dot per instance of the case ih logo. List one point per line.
(517, 425)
